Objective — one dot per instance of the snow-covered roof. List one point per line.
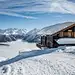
(66, 41)
(54, 28)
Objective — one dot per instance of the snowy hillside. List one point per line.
(32, 36)
(41, 62)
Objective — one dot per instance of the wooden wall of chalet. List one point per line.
(48, 41)
(68, 33)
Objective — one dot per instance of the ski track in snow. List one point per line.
(56, 63)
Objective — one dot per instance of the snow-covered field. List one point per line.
(14, 48)
(56, 62)
(33, 61)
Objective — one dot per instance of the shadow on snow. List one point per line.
(27, 54)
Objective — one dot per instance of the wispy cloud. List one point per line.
(17, 15)
(13, 7)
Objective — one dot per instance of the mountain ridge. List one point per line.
(34, 34)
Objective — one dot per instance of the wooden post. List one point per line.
(74, 31)
(74, 34)
(61, 34)
(49, 42)
(43, 40)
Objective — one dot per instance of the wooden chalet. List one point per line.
(50, 34)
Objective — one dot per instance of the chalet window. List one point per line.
(69, 30)
(69, 33)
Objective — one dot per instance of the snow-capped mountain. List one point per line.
(14, 31)
(6, 38)
(32, 36)
(11, 34)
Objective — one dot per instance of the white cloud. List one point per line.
(17, 15)
(63, 7)
(13, 7)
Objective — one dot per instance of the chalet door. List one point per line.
(69, 33)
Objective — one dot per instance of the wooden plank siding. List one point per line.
(67, 34)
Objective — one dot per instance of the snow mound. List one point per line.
(66, 49)
(2, 59)
(5, 69)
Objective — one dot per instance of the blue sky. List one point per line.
(31, 14)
